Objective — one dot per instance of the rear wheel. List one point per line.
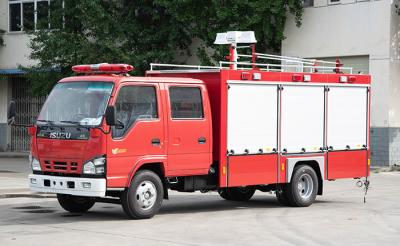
(143, 198)
(302, 190)
(75, 204)
(237, 193)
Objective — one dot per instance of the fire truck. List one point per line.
(255, 122)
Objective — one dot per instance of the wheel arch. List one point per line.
(316, 163)
(156, 166)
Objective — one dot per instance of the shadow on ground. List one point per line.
(51, 212)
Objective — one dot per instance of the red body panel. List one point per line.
(53, 151)
(252, 170)
(217, 93)
(125, 153)
(347, 164)
(186, 156)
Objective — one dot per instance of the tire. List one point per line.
(281, 195)
(237, 193)
(224, 193)
(302, 190)
(75, 204)
(143, 198)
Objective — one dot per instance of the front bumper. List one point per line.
(94, 187)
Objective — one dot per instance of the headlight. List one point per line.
(88, 168)
(95, 166)
(35, 164)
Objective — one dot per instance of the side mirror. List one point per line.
(111, 116)
(11, 113)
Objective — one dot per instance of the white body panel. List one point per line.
(347, 118)
(58, 184)
(292, 161)
(252, 118)
(302, 118)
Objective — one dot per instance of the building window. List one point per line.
(28, 15)
(334, 1)
(308, 3)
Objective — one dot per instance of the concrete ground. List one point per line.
(339, 217)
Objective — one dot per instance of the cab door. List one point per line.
(189, 130)
(139, 109)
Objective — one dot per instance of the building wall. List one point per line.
(16, 50)
(359, 28)
(4, 98)
(14, 53)
(394, 78)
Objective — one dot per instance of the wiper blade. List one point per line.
(76, 123)
(50, 122)
(71, 122)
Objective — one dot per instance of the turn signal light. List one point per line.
(103, 68)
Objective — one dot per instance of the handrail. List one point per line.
(302, 64)
(282, 66)
(197, 67)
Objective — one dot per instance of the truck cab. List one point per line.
(96, 132)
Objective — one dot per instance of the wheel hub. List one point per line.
(305, 186)
(146, 195)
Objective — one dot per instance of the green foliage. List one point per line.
(138, 32)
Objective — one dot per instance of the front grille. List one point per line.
(61, 166)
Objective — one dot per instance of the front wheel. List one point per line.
(143, 198)
(237, 193)
(75, 204)
(302, 190)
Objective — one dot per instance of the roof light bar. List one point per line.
(236, 37)
(103, 68)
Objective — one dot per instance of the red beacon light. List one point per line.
(103, 68)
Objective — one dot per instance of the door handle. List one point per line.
(201, 140)
(155, 141)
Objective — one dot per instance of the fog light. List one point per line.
(86, 185)
(33, 181)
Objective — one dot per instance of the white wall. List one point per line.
(16, 51)
(3, 100)
(349, 29)
(340, 30)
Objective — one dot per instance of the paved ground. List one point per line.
(338, 218)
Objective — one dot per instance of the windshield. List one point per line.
(76, 103)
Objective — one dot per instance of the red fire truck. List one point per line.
(285, 126)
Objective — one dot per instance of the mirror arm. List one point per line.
(102, 130)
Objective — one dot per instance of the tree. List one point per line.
(142, 31)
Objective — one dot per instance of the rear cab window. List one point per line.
(186, 102)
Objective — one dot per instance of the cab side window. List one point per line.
(186, 103)
(135, 103)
